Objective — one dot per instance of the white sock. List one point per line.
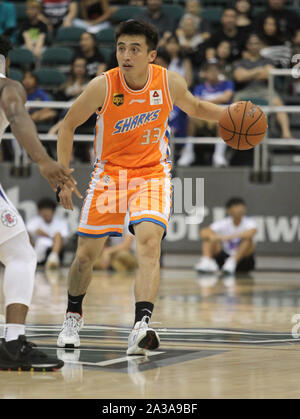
(13, 331)
(220, 149)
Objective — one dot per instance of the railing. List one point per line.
(261, 151)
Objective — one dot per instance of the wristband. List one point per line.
(57, 193)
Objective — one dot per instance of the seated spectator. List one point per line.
(193, 7)
(251, 75)
(47, 233)
(96, 14)
(88, 49)
(288, 20)
(8, 19)
(179, 62)
(187, 34)
(229, 32)
(229, 243)
(224, 59)
(216, 91)
(57, 13)
(33, 32)
(154, 14)
(119, 254)
(71, 88)
(244, 15)
(30, 83)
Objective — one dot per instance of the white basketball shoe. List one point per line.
(229, 266)
(206, 265)
(142, 338)
(69, 335)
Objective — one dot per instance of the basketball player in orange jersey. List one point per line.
(131, 143)
(16, 252)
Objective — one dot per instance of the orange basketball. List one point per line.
(243, 125)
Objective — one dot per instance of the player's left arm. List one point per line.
(190, 104)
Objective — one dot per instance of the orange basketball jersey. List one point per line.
(132, 126)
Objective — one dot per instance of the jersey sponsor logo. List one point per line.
(118, 99)
(135, 121)
(156, 97)
(8, 218)
(137, 101)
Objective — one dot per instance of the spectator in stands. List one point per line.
(30, 83)
(288, 20)
(224, 59)
(96, 14)
(192, 7)
(244, 14)
(57, 13)
(295, 82)
(48, 233)
(229, 243)
(229, 32)
(8, 21)
(179, 62)
(216, 91)
(119, 253)
(187, 34)
(251, 74)
(88, 49)
(33, 32)
(155, 15)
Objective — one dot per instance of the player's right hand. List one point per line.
(65, 198)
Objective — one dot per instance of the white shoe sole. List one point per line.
(147, 341)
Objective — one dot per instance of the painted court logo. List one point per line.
(8, 219)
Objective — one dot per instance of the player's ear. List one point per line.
(152, 55)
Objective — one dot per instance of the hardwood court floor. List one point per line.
(219, 339)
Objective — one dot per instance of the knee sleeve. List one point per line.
(19, 260)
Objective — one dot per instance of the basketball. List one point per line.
(243, 125)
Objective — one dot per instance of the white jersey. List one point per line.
(11, 223)
(3, 120)
(226, 227)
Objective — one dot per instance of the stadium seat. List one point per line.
(20, 11)
(106, 52)
(106, 36)
(173, 11)
(256, 100)
(22, 58)
(126, 12)
(57, 56)
(15, 74)
(212, 14)
(49, 78)
(68, 36)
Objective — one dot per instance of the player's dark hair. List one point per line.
(234, 201)
(46, 203)
(138, 27)
(5, 45)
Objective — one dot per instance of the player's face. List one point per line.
(133, 55)
(237, 211)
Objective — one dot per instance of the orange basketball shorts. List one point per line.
(146, 193)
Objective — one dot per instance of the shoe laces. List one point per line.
(71, 324)
(28, 347)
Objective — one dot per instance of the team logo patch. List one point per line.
(8, 219)
(118, 99)
(156, 97)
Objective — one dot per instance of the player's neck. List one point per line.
(137, 81)
(2, 65)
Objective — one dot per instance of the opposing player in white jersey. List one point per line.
(16, 252)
